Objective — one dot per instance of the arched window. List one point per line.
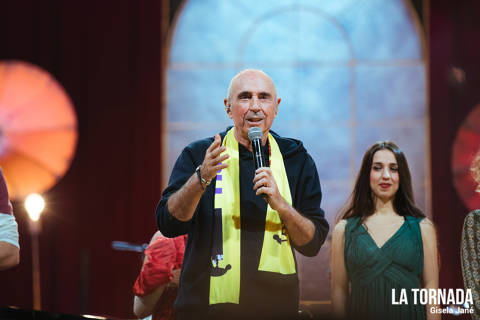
(349, 73)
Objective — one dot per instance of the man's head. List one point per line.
(252, 102)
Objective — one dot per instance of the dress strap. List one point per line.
(414, 225)
(351, 227)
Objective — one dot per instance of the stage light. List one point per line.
(34, 204)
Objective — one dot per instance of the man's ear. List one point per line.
(227, 108)
(278, 103)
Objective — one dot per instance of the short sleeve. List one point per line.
(8, 224)
(9, 229)
(5, 205)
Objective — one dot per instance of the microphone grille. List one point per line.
(255, 133)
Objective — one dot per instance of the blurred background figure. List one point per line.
(157, 284)
(9, 247)
(470, 248)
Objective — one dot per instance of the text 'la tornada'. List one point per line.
(432, 296)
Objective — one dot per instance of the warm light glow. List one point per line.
(34, 204)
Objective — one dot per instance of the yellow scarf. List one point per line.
(277, 254)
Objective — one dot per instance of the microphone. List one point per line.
(255, 135)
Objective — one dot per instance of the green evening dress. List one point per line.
(373, 272)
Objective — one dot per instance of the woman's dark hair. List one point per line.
(362, 202)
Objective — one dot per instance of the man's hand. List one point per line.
(300, 229)
(183, 202)
(264, 183)
(212, 161)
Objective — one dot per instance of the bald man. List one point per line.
(243, 224)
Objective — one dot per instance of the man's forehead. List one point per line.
(254, 82)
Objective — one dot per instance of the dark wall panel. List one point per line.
(108, 56)
(453, 29)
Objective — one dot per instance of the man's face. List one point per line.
(253, 102)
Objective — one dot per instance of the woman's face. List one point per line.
(384, 176)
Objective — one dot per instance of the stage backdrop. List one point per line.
(107, 55)
(350, 73)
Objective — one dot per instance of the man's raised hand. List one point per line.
(212, 162)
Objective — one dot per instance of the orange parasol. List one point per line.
(38, 128)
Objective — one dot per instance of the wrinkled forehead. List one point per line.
(254, 81)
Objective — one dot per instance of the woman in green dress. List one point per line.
(384, 246)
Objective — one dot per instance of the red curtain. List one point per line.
(108, 56)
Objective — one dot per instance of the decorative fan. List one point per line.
(465, 147)
(38, 128)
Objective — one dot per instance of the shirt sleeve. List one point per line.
(184, 168)
(5, 205)
(8, 224)
(307, 203)
(9, 229)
